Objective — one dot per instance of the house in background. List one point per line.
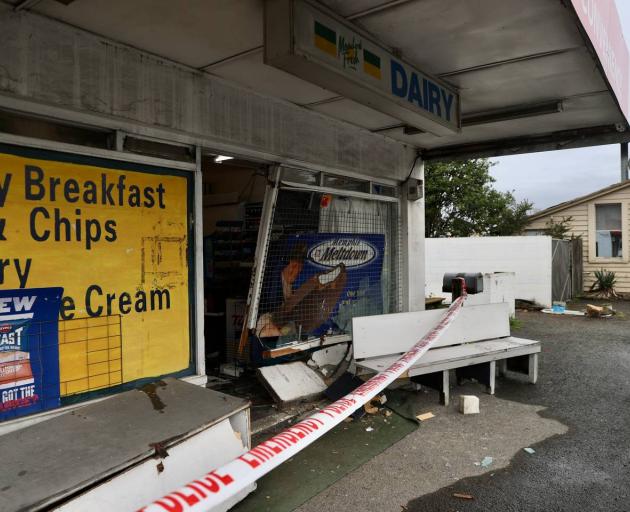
(601, 220)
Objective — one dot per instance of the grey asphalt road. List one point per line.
(577, 419)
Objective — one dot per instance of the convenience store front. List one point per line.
(109, 244)
(167, 250)
(111, 183)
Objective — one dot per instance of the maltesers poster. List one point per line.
(29, 351)
(316, 283)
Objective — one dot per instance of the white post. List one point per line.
(413, 274)
(200, 347)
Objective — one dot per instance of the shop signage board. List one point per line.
(115, 237)
(312, 43)
(318, 282)
(601, 22)
(29, 351)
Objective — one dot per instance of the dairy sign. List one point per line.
(316, 283)
(115, 237)
(29, 356)
(308, 41)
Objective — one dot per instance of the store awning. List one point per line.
(532, 76)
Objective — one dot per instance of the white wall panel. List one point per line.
(529, 257)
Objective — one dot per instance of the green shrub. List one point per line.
(604, 284)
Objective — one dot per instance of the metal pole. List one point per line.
(198, 285)
(624, 161)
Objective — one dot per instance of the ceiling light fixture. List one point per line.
(512, 113)
(222, 158)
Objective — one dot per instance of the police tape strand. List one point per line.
(217, 486)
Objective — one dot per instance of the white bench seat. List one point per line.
(458, 357)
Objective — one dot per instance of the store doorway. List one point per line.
(233, 195)
(291, 256)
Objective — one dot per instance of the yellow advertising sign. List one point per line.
(115, 237)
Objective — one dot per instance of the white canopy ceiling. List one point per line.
(526, 71)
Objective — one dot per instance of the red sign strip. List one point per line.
(217, 486)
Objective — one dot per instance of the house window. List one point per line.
(608, 241)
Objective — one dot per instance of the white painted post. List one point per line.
(493, 376)
(412, 242)
(200, 347)
(446, 387)
(533, 368)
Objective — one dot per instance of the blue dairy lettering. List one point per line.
(414, 91)
(434, 100)
(448, 103)
(399, 79)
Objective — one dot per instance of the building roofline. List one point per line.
(578, 200)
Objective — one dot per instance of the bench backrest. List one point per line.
(382, 335)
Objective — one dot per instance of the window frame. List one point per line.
(592, 232)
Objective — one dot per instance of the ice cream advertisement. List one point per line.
(316, 283)
(29, 351)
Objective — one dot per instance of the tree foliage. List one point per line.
(461, 201)
(558, 229)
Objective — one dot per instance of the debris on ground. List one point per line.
(568, 312)
(372, 407)
(291, 382)
(486, 462)
(605, 311)
(387, 413)
(463, 496)
(425, 416)
(369, 429)
(468, 404)
(531, 451)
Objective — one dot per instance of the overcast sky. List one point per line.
(555, 176)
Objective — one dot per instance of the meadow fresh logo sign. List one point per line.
(372, 64)
(325, 39)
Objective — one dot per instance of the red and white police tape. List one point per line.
(218, 485)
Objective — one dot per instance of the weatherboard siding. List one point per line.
(580, 227)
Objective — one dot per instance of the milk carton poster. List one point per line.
(316, 283)
(29, 351)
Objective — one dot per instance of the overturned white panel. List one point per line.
(291, 382)
(186, 461)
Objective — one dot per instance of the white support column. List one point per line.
(532, 373)
(412, 241)
(200, 347)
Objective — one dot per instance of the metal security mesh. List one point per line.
(330, 258)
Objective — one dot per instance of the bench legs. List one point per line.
(526, 365)
(483, 373)
(438, 381)
(532, 371)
